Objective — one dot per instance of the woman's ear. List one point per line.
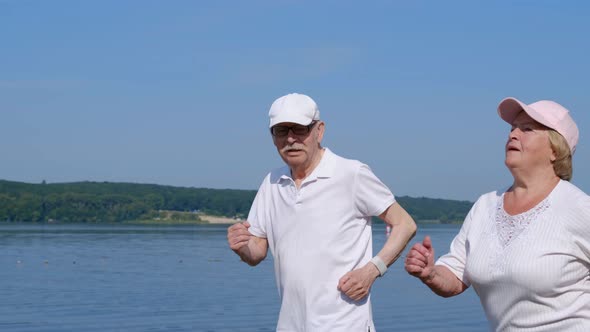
(553, 157)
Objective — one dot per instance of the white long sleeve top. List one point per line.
(532, 270)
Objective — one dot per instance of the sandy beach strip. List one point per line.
(218, 220)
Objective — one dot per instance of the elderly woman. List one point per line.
(526, 249)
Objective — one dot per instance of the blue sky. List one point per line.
(177, 92)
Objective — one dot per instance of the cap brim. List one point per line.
(298, 119)
(509, 108)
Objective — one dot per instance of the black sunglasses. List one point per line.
(299, 130)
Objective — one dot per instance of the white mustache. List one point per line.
(292, 147)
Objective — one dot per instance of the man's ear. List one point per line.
(321, 130)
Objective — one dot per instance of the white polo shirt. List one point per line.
(316, 234)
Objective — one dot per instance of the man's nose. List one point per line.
(291, 138)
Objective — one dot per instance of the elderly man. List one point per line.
(315, 215)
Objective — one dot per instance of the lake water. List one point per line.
(182, 278)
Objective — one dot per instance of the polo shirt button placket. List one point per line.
(298, 195)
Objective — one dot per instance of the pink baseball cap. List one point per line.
(546, 112)
(295, 108)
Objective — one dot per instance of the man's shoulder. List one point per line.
(340, 161)
(275, 175)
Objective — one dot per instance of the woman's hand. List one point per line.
(420, 260)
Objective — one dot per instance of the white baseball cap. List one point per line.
(295, 108)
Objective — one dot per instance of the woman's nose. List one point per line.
(514, 133)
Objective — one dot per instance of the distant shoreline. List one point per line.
(203, 220)
(133, 203)
(218, 220)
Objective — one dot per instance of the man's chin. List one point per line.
(294, 154)
(293, 161)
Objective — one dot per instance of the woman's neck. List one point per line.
(528, 190)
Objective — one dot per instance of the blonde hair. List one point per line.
(562, 165)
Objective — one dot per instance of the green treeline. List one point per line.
(106, 202)
(435, 209)
(113, 202)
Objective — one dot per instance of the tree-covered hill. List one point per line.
(118, 202)
(435, 209)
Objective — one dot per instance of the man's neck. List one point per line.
(301, 173)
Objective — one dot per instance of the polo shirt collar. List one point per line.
(325, 169)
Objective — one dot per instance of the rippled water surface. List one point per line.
(182, 278)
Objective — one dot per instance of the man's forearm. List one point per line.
(254, 252)
(401, 234)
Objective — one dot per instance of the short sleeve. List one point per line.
(456, 259)
(257, 216)
(372, 197)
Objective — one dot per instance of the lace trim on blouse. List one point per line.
(510, 227)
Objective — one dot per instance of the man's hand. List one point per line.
(238, 235)
(356, 284)
(250, 248)
(420, 260)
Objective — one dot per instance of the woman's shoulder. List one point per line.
(566, 194)
(571, 204)
(490, 198)
(487, 202)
